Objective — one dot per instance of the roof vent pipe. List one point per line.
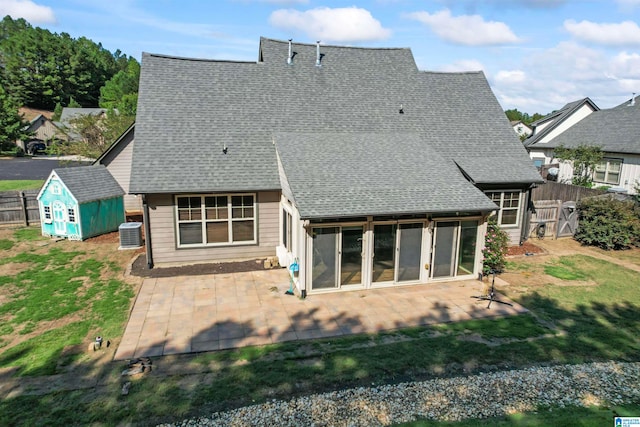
(290, 57)
(633, 100)
(318, 54)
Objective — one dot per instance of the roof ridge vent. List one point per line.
(290, 57)
(633, 100)
(318, 55)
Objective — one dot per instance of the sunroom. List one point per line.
(355, 218)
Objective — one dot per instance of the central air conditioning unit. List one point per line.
(130, 235)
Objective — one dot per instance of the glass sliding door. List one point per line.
(454, 248)
(409, 252)
(351, 256)
(467, 250)
(384, 251)
(444, 250)
(324, 264)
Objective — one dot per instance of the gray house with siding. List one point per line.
(615, 130)
(348, 162)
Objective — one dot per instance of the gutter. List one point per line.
(147, 231)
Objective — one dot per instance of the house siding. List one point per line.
(118, 163)
(629, 174)
(163, 229)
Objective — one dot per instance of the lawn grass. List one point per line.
(56, 285)
(19, 185)
(593, 316)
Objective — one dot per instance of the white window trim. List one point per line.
(501, 208)
(71, 214)
(203, 221)
(286, 240)
(47, 217)
(606, 161)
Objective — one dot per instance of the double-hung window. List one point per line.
(47, 214)
(509, 204)
(608, 171)
(211, 220)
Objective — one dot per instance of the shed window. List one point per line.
(72, 214)
(47, 213)
(216, 219)
(608, 171)
(509, 206)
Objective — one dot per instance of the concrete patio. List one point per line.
(188, 314)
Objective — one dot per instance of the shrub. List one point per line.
(608, 223)
(495, 247)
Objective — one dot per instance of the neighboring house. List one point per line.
(44, 131)
(522, 129)
(615, 130)
(117, 159)
(69, 114)
(365, 170)
(80, 202)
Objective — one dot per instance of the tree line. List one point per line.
(49, 71)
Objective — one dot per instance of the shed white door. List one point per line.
(59, 218)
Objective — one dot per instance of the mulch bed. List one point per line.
(526, 248)
(139, 268)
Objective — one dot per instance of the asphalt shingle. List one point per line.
(89, 183)
(189, 110)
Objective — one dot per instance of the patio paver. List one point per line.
(213, 312)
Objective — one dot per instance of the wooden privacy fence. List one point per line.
(19, 207)
(565, 192)
(554, 218)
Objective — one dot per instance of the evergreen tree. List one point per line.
(12, 125)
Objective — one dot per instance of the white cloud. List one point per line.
(469, 30)
(462, 65)
(349, 24)
(27, 9)
(567, 72)
(623, 34)
(510, 77)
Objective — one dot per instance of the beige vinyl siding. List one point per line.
(118, 163)
(163, 229)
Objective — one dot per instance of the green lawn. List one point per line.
(592, 317)
(19, 185)
(57, 285)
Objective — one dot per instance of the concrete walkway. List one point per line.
(204, 313)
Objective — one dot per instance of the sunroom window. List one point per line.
(216, 219)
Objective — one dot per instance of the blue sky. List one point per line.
(537, 54)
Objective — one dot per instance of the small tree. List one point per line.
(496, 242)
(584, 159)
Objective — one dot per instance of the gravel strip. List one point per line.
(451, 399)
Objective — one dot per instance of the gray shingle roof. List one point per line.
(189, 109)
(556, 118)
(615, 130)
(353, 174)
(89, 183)
(70, 113)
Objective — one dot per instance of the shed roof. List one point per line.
(89, 183)
(189, 109)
